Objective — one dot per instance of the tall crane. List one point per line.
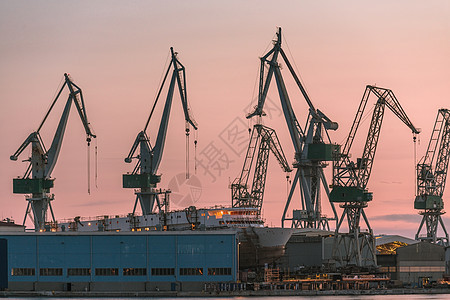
(310, 148)
(144, 177)
(37, 180)
(431, 176)
(268, 141)
(350, 181)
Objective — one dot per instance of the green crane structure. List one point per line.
(144, 177)
(431, 176)
(37, 180)
(310, 146)
(350, 180)
(268, 142)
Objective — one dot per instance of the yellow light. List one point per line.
(147, 229)
(89, 224)
(139, 229)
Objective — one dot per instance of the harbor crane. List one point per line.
(311, 151)
(350, 181)
(144, 177)
(431, 176)
(268, 141)
(37, 180)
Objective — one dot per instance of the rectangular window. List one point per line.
(219, 271)
(106, 272)
(134, 272)
(23, 272)
(78, 272)
(191, 271)
(163, 271)
(51, 272)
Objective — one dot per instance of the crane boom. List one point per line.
(311, 150)
(144, 176)
(268, 142)
(432, 172)
(350, 179)
(42, 162)
(351, 174)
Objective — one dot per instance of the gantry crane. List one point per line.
(431, 176)
(37, 180)
(144, 177)
(268, 141)
(350, 181)
(310, 148)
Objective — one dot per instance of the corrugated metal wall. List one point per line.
(122, 258)
(3, 264)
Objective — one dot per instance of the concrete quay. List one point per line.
(258, 293)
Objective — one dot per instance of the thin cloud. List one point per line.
(410, 218)
(96, 203)
(390, 182)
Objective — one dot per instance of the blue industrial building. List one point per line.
(181, 260)
(3, 264)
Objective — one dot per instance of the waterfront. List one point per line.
(352, 297)
(318, 297)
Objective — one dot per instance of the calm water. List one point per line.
(377, 297)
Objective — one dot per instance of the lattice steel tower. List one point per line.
(431, 176)
(350, 182)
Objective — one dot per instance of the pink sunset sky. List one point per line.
(116, 52)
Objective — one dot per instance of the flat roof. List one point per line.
(122, 233)
(9, 224)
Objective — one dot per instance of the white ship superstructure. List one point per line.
(190, 218)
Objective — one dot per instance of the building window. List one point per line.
(191, 271)
(78, 272)
(106, 272)
(163, 271)
(51, 272)
(421, 269)
(23, 272)
(134, 272)
(219, 271)
(386, 269)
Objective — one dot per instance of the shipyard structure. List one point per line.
(227, 248)
(137, 261)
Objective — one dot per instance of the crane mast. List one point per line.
(268, 142)
(37, 180)
(311, 151)
(350, 181)
(431, 177)
(144, 177)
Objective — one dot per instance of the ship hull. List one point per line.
(261, 246)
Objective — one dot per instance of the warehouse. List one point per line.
(137, 261)
(420, 263)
